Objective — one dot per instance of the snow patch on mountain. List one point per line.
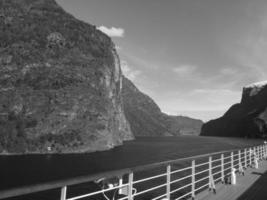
(255, 88)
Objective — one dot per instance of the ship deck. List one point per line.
(253, 185)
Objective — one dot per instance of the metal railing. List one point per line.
(187, 181)
(174, 179)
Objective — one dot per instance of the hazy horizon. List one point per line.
(191, 57)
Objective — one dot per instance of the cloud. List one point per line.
(184, 70)
(139, 61)
(118, 48)
(128, 71)
(112, 32)
(250, 51)
(199, 102)
(229, 71)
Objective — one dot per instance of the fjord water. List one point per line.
(22, 170)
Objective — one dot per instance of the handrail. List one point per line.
(149, 178)
(237, 158)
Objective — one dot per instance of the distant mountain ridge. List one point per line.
(146, 118)
(245, 119)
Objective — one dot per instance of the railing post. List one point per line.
(233, 176)
(265, 150)
(120, 184)
(258, 152)
(63, 193)
(211, 180)
(239, 158)
(245, 157)
(255, 151)
(130, 191)
(261, 151)
(250, 155)
(168, 186)
(222, 168)
(232, 160)
(241, 170)
(193, 179)
(256, 165)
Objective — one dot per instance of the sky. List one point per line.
(193, 57)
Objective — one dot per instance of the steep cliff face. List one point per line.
(245, 119)
(60, 82)
(146, 118)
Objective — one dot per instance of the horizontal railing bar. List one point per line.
(201, 171)
(180, 170)
(214, 167)
(201, 164)
(150, 189)
(217, 179)
(226, 163)
(237, 164)
(235, 155)
(227, 168)
(183, 196)
(177, 189)
(216, 160)
(123, 198)
(155, 198)
(226, 157)
(149, 178)
(202, 179)
(165, 163)
(205, 185)
(228, 173)
(217, 173)
(180, 179)
(97, 192)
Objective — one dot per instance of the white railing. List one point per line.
(185, 182)
(173, 182)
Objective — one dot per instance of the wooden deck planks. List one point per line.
(252, 186)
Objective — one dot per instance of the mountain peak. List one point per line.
(245, 119)
(254, 88)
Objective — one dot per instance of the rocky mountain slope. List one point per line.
(60, 82)
(245, 119)
(146, 118)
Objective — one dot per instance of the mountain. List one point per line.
(146, 118)
(182, 125)
(60, 82)
(245, 119)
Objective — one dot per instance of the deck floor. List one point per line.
(252, 186)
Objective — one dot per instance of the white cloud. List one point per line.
(200, 102)
(229, 71)
(184, 70)
(128, 71)
(250, 51)
(112, 32)
(118, 48)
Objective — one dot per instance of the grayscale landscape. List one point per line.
(92, 87)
